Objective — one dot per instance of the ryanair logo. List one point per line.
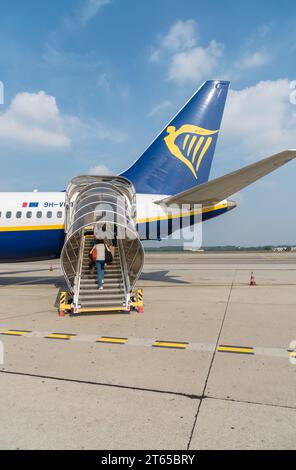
(192, 147)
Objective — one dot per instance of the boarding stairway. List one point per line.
(101, 207)
(113, 294)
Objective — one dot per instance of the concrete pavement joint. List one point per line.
(249, 402)
(102, 384)
(211, 363)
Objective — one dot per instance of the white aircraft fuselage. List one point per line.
(32, 223)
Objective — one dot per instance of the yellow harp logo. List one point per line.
(194, 145)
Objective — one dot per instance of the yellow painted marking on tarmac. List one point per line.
(60, 336)
(15, 332)
(169, 344)
(236, 349)
(157, 343)
(107, 339)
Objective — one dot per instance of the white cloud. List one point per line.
(196, 63)
(259, 120)
(254, 59)
(181, 36)
(95, 130)
(101, 170)
(91, 8)
(186, 60)
(68, 25)
(33, 119)
(258, 34)
(159, 108)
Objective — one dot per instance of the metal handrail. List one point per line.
(78, 272)
(124, 268)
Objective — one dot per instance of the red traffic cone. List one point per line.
(140, 309)
(252, 280)
(61, 313)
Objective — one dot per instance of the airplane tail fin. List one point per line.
(181, 155)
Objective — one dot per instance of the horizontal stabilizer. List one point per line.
(220, 188)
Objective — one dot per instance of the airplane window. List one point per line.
(29, 215)
(0, 214)
(59, 214)
(39, 214)
(49, 215)
(8, 215)
(18, 214)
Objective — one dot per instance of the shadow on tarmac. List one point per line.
(161, 276)
(33, 280)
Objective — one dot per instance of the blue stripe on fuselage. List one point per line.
(30, 245)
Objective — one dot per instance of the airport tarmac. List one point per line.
(210, 364)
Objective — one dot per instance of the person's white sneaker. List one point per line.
(101, 288)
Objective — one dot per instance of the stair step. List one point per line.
(94, 288)
(107, 268)
(94, 285)
(115, 281)
(99, 296)
(94, 291)
(86, 259)
(109, 281)
(86, 252)
(87, 272)
(89, 247)
(112, 282)
(107, 276)
(99, 300)
(86, 255)
(114, 263)
(104, 303)
(94, 282)
(107, 272)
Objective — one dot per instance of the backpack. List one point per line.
(108, 255)
(93, 254)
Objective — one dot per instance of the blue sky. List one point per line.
(89, 83)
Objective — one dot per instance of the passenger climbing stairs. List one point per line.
(112, 297)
